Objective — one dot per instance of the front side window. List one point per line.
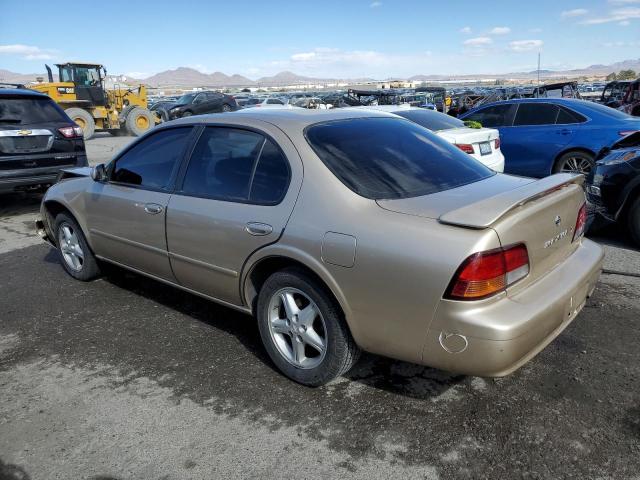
(536, 114)
(151, 162)
(494, 116)
(388, 158)
(236, 165)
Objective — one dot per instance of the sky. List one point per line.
(330, 38)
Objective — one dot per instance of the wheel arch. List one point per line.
(52, 208)
(568, 150)
(630, 197)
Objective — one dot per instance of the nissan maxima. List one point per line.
(340, 231)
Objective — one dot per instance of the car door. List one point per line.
(215, 102)
(235, 196)
(534, 140)
(200, 104)
(126, 213)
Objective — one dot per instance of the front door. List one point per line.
(236, 196)
(126, 214)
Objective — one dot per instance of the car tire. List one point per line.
(84, 120)
(186, 114)
(71, 243)
(226, 108)
(575, 161)
(296, 313)
(634, 221)
(139, 121)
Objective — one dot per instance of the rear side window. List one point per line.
(568, 116)
(151, 161)
(24, 111)
(236, 165)
(430, 119)
(274, 101)
(387, 158)
(536, 114)
(494, 116)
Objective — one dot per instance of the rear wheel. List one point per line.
(139, 121)
(187, 114)
(634, 221)
(303, 330)
(75, 255)
(84, 120)
(574, 162)
(226, 108)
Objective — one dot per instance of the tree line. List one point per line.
(622, 75)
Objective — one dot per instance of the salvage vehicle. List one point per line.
(613, 93)
(541, 136)
(393, 241)
(613, 187)
(200, 103)
(557, 90)
(37, 140)
(630, 103)
(483, 144)
(82, 93)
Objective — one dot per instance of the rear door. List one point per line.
(236, 195)
(534, 140)
(126, 214)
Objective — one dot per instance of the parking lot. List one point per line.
(125, 378)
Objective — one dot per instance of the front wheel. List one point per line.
(226, 108)
(75, 255)
(574, 162)
(303, 330)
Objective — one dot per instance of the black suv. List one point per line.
(198, 103)
(37, 139)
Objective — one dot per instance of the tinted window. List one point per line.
(274, 101)
(222, 164)
(495, 116)
(601, 110)
(391, 158)
(536, 114)
(150, 162)
(271, 177)
(568, 116)
(17, 111)
(432, 120)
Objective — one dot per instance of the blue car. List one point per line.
(541, 136)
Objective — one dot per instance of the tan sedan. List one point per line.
(340, 231)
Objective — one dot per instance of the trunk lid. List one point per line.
(541, 214)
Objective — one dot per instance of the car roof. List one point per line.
(390, 108)
(23, 92)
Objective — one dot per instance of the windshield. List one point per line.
(24, 111)
(388, 158)
(186, 99)
(434, 121)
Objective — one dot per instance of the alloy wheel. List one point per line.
(577, 164)
(70, 247)
(297, 328)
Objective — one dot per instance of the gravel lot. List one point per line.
(125, 378)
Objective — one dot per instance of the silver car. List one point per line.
(340, 231)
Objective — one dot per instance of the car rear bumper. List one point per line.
(12, 180)
(495, 161)
(494, 338)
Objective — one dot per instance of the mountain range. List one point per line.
(189, 77)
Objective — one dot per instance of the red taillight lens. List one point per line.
(70, 132)
(497, 143)
(484, 274)
(581, 222)
(465, 147)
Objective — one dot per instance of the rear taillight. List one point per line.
(497, 143)
(70, 132)
(580, 222)
(465, 147)
(485, 274)
(624, 133)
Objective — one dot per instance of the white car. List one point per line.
(483, 144)
(270, 102)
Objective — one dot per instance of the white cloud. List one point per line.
(27, 52)
(465, 30)
(478, 42)
(499, 31)
(624, 23)
(576, 12)
(620, 44)
(375, 4)
(616, 15)
(525, 45)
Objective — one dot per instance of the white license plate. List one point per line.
(485, 148)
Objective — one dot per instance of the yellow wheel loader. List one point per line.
(81, 92)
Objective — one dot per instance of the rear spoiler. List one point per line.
(486, 212)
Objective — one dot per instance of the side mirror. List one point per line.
(99, 173)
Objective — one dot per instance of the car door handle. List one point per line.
(564, 131)
(258, 229)
(152, 208)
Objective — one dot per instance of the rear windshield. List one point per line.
(24, 111)
(434, 121)
(388, 158)
(604, 110)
